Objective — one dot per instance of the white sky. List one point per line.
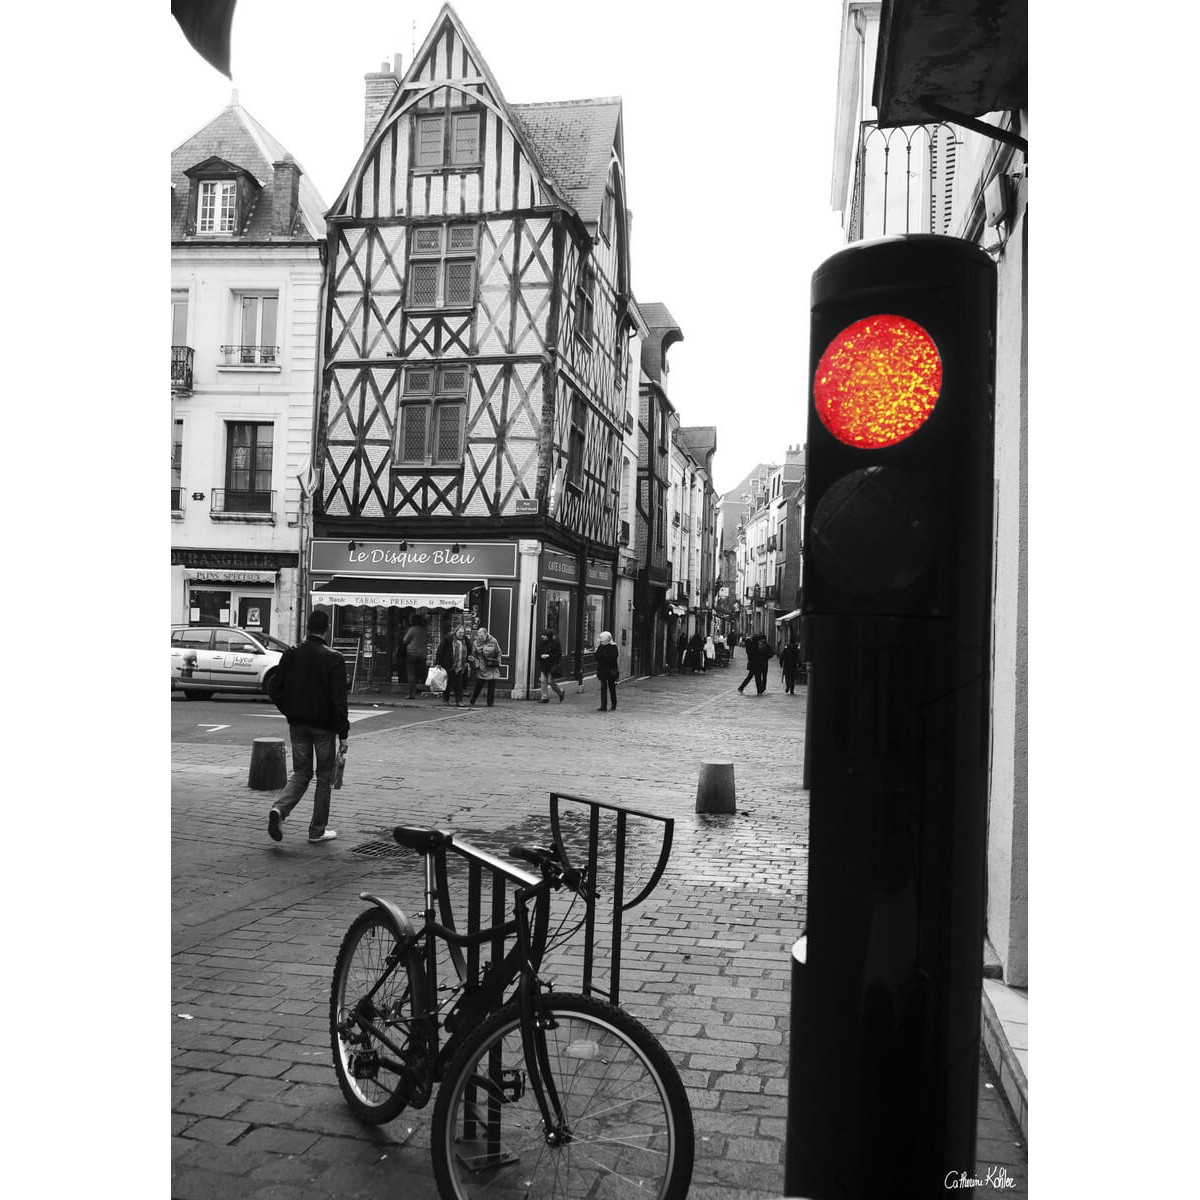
(728, 146)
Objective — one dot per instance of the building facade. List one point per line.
(474, 418)
(965, 124)
(655, 624)
(246, 268)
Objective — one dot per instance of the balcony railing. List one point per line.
(229, 501)
(903, 180)
(250, 356)
(181, 368)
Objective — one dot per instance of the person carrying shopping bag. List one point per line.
(454, 657)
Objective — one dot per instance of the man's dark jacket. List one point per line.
(309, 686)
(549, 653)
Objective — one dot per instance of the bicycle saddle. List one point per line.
(422, 840)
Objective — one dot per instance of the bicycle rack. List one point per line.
(619, 903)
(503, 874)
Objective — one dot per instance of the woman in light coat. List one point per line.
(487, 665)
(607, 671)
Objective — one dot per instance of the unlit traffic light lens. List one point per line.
(877, 381)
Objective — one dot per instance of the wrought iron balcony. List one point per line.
(909, 195)
(181, 368)
(228, 501)
(250, 356)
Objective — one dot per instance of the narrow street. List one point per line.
(256, 1110)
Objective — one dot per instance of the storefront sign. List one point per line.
(561, 568)
(419, 560)
(200, 575)
(599, 575)
(233, 560)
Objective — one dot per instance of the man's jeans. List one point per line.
(308, 741)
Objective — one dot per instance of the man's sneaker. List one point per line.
(327, 836)
(274, 821)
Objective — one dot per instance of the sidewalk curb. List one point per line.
(1005, 1018)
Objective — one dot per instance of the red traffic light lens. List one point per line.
(877, 381)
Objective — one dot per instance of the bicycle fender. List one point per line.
(404, 927)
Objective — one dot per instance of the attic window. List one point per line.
(217, 209)
(447, 140)
(606, 215)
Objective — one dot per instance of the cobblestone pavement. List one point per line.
(256, 1110)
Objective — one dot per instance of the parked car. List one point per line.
(221, 658)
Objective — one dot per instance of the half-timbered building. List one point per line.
(475, 381)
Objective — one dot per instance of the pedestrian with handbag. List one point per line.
(486, 657)
(607, 671)
(454, 657)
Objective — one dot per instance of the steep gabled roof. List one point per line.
(700, 441)
(575, 140)
(664, 332)
(237, 138)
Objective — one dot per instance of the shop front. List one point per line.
(375, 590)
(576, 606)
(253, 591)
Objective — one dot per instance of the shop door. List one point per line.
(254, 613)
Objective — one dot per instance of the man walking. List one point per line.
(309, 688)
(789, 660)
(758, 655)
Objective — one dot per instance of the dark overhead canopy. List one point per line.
(966, 56)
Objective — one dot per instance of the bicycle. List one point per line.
(539, 1094)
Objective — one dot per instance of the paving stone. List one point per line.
(256, 930)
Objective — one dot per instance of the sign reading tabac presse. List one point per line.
(418, 560)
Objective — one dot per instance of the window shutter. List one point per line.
(430, 140)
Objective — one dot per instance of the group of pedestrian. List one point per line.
(460, 654)
(549, 658)
(698, 653)
(758, 657)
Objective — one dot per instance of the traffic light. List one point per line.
(896, 595)
(899, 427)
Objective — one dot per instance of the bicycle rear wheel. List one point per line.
(376, 983)
(628, 1122)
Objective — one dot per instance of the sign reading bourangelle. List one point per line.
(877, 381)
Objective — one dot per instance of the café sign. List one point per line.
(418, 560)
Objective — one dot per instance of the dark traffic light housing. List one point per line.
(897, 587)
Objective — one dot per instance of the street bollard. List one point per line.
(268, 764)
(715, 792)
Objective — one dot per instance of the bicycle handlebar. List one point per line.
(547, 860)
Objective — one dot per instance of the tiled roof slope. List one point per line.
(663, 334)
(237, 137)
(574, 140)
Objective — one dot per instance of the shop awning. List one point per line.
(788, 616)
(393, 593)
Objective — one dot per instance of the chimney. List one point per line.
(285, 196)
(381, 87)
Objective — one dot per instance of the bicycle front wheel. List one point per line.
(627, 1128)
(372, 1010)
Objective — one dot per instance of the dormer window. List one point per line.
(217, 208)
(222, 198)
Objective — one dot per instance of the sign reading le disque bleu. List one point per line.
(418, 560)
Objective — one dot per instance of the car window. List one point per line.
(192, 637)
(233, 642)
(273, 643)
